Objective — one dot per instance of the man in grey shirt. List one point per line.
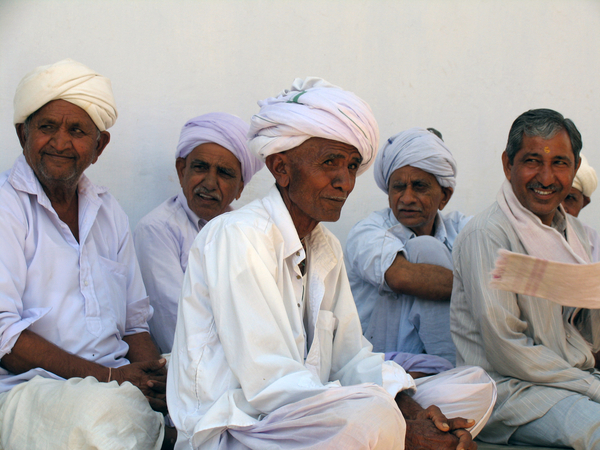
(539, 352)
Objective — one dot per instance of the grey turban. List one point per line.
(314, 108)
(418, 148)
(71, 81)
(224, 129)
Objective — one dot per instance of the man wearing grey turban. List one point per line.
(268, 350)
(399, 259)
(213, 164)
(584, 184)
(73, 309)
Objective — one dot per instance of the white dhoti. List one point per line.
(364, 416)
(78, 414)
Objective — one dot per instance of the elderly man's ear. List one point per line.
(446, 196)
(279, 165)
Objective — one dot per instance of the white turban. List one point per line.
(71, 81)
(418, 148)
(585, 180)
(224, 129)
(314, 108)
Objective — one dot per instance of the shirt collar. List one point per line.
(282, 219)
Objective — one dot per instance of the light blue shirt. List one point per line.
(371, 248)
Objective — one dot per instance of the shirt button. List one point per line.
(298, 277)
(85, 283)
(297, 253)
(298, 305)
(569, 336)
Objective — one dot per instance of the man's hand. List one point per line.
(149, 377)
(429, 429)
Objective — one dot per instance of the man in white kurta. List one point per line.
(73, 309)
(209, 184)
(268, 348)
(400, 258)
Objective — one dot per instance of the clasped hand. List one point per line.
(430, 429)
(150, 377)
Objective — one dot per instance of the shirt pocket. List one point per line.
(320, 355)
(112, 291)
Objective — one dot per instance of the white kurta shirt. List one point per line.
(594, 238)
(84, 297)
(239, 344)
(162, 242)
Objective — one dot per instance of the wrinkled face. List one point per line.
(415, 197)
(211, 178)
(60, 142)
(574, 202)
(542, 173)
(319, 176)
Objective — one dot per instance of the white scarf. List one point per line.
(555, 268)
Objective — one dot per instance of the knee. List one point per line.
(428, 250)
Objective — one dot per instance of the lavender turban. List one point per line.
(71, 81)
(418, 148)
(224, 129)
(313, 108)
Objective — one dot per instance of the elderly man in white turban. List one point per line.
(399, 259)
(584, 184)
(268, 350)
(213, 164)
(73, 309)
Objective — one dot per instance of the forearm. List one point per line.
(31, 351)
(425, 281)
(141, 348)
(408, 407)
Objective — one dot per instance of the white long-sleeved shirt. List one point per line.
(594, 238)
(162, 242)
(239, 349)
(82, 296)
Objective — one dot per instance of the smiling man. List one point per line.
(78, 366)
(213, 164)
(399, 258)
(539, 352)
(268, 349)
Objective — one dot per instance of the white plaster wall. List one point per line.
(467, 68)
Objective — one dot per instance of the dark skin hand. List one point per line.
(429, 429)
(597, 358)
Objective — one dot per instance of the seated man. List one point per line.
(213, 165)
(548, 388)
(399, 259)
(268, 350)
(73, 308)
(584, 184)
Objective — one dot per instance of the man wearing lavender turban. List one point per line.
(268, 350)
(584, 184)
(402, 280)
(213, 164)
(73, 309)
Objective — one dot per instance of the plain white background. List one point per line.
(467, 68)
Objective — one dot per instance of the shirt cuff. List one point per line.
(395, 379)
(13, 331)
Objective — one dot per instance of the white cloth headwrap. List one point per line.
(314, 108)
(585, 180)
(224, 129)
(71, 81)
(418, 148)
